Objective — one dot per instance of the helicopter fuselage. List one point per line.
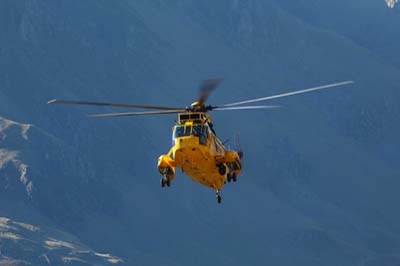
(199, 153)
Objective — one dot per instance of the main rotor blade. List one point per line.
(246, 107)
(206, 87)
(114, 105)
(135, 114)
(291, 93)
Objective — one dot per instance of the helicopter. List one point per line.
(196, 149)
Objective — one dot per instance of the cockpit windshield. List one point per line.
(187, 130)
(198, 130)
(181, 131)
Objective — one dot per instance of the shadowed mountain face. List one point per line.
(321, 175)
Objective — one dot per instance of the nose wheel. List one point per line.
(218, 196)
(165, 182)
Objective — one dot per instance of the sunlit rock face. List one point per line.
(26, 244)
(391, 3)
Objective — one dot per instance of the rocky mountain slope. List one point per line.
(23, 243)
(32, 245)
(321, 175)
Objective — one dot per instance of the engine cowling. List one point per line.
(232, 159)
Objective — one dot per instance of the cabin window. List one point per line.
(196, 131)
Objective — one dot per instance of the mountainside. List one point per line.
(32, 245)
(320, 178)
(23, 243)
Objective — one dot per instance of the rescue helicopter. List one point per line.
(196, 149)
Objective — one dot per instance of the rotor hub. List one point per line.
(199, 107)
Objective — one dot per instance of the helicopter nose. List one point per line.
(186, 142)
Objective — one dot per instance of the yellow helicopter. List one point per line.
(196, 149)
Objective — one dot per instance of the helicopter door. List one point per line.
(203, 136)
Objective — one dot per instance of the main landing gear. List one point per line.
(231, 177)
(218, 196)
(165, 182)
(167, 175)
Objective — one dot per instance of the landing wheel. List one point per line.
(165, 182)
(219, 199)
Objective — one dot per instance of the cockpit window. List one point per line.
(187, 130)
(197, 130)
(179, 131)
(182, 131)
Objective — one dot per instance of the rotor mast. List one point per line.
(199, 106)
